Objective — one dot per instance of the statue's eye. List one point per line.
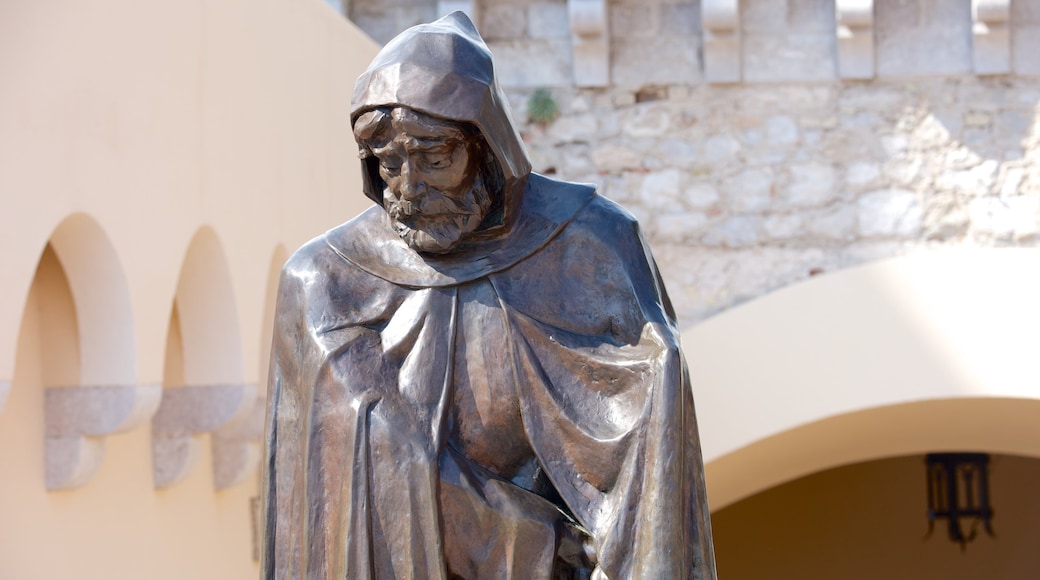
(437, 159)
(439, 162)
(390, 167)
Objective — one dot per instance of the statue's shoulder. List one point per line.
(319, 265)
(602, 218)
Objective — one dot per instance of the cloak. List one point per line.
(558, 305)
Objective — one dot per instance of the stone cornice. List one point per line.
(76, 420)
(189, 411)
(236, 447)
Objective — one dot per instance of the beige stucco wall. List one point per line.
(929, 352)
(166, 150)
(228, 114)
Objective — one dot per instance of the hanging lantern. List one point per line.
(958, 490)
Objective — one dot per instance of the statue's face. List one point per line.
(434, 195)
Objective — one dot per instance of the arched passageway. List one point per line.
(914, 354)
(867, 520)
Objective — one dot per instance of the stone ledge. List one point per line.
(236, 447)
(76, 418)
(189, 411)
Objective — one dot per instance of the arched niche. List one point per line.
(203, 386)
(782, 381)
(236, 447)
(78, 333)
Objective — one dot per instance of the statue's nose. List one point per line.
(412, 184)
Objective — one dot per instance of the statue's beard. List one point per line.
(436, 223)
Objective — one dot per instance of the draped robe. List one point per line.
(373, 342)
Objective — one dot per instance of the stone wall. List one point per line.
(743, 189)
(760, 142)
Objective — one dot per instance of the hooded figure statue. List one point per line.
(481, 376)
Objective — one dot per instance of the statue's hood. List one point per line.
(445, 70)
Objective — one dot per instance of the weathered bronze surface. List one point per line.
(481, 376)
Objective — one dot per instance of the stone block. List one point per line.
(720, 149)
(738, 231)
(1011, 218)
(895, 145)
(812, 185)
(859, 174)
(661, 189)
(682, 19)
(763, 16)
(577, 167)
(902, 171)
(237, 448)
(776, 57)
(548, 20)
(638, 62)
(513, 62)
(378, 26)
(701, 195)
(189, 411)
(615, 158)
(814, 16)
(1025, 12)
(573, 127)
(677, 153)
(923, 37)
(945, 217)
(978, 180)
(679, 227)
(889, 213)
(634, 21)
(646, 120)
(1025, 48)
(503, 22)
(783, 226)
(839, 223)
(77, 418)
(750, 190)
(781, 130)
(1011, 181)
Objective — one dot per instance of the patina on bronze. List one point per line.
(481, 376)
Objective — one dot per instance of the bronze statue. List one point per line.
(481, 376)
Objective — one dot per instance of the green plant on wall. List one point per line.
(542, 108)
